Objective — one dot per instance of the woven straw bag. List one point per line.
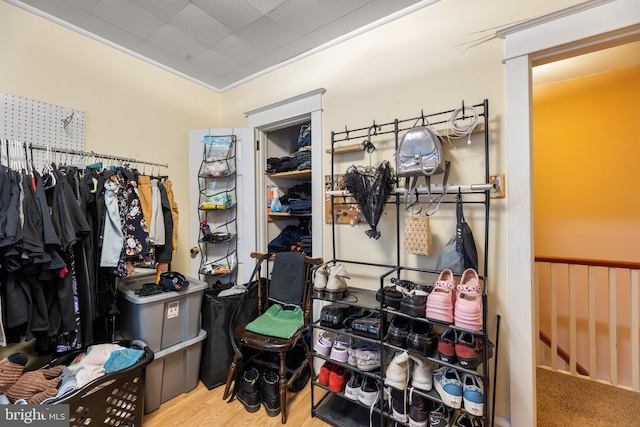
(417, 235)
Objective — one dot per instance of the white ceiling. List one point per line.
(220, 43)
(600, 61)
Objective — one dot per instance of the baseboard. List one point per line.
(501, 421)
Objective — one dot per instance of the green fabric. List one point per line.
(277, 322)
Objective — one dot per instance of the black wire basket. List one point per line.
(115, 399)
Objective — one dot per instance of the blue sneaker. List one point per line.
(449, 387)
(473, 394)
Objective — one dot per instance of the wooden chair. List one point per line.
(265, 343)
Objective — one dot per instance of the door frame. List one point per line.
(304, 107)
(583, 28)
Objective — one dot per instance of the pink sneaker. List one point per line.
(468, 310)
(441, 300)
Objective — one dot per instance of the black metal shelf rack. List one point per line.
(336, 409)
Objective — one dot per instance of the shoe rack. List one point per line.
(217, 210)
(344, 408)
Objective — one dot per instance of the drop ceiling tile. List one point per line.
(236, 48)
(60, 9)
(264, 34)
(176, 42)
(129, 17)
(212, 61)
(266, 6)
(160, 55)
(163, 9)
(198, 24)
(87, 5)
(110, 32)
(198, 73)
(233, 14)
(337, 8)
(300, 16)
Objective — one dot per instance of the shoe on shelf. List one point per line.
(414, 299)
(468, 308)
(466, 420)
(325, 372)
(440, 417)
(320, 277)
(399, 407)
(414, 305)
(336, 288)
(338, 379)
(389, 296)
(368, 357)
(422, 339)
(449, 386)
(369, 392)
(422, 374)
(419, 409)
(270, 392)
(397, 373)
(249, 392)
(473, 394)
(447, 346)
(340, 349)
(324, 343)
(398, 331)
(468, 349)
(441, 301)
(352, 388)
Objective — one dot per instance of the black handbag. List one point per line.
(460, 252)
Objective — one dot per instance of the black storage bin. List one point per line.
(217, 352)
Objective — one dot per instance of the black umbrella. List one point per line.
(371, 187)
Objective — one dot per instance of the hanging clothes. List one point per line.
(156, 227)
(164, 253)
(168, 185)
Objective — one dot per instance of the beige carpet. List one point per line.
(565, 401)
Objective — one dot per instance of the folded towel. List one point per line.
(277, 322)
(122, 359)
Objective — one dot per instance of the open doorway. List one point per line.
(586, 225)
(585, 27)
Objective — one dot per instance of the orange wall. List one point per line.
(586, 155)
(587, 203)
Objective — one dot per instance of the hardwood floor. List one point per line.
(202, 407)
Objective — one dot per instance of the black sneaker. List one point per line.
(422, 339)
(398, 331)
(440, 417)
(270, 392)
(249, 393)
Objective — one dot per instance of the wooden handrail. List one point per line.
(590, 262)
(563, 354)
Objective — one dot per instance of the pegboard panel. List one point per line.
(36, 122)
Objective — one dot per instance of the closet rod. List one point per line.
(423, 190)
(91, 153)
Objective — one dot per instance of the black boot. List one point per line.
(249, 393)
(270, 392)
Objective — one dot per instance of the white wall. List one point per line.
(419, 62)
(132, 109)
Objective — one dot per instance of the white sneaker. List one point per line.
(397, 374)
(369, 392)
(336, 288)
(320, 280)
(352, 389)
(422, 374)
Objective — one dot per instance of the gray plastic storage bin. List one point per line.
(160, 320)
(173, 371)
